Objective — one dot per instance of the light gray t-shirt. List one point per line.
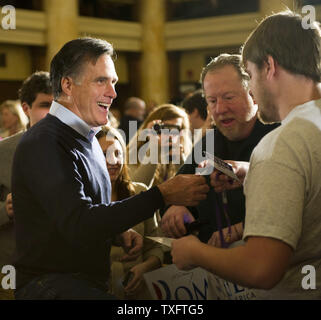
(283, 197)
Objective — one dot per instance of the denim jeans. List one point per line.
(57, 286)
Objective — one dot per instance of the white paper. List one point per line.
(169, 283)
(222, 166)
(162, 240)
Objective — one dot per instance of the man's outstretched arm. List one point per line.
(260, 263)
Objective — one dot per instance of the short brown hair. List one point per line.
(38, 82)
(283, 37)
(69, 61)
(223, 60)
(196, 101)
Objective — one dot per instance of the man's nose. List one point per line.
(111, 91)
(220, 106)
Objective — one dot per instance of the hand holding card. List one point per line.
(221, 181)
(221, 166)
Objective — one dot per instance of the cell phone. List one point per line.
(128, 277)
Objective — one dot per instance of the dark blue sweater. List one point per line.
(64, 219)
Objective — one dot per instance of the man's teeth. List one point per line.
(104, 105)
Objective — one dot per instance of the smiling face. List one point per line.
(93, 92)
(114, 156)
(229, 102)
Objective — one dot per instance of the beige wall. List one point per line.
(18, 60)
(19, 64)
(122, 68)
(192, 38)
(192, 62)
(190, 66)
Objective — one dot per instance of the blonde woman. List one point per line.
(166, 116)
(151, 258)
(13, 119)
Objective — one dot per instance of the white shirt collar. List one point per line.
(72, 120)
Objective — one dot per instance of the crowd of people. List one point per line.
(80, 190)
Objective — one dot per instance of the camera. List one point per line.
(159, 126)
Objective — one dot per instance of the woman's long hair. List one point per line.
(124, 186)
(15, 108)
(164, 112)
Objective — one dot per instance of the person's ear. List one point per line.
(25, 107)
(270, 66)
(251, 95)
(66, 85)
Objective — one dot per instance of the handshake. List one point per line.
(189, 190)
(184, 190)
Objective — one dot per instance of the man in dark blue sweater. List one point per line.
(65, 221)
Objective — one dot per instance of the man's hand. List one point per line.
(220, 182)
(9, 207)
(137, 279)
(172, 223)
(183, 252)
(184, 190)
(132, 243)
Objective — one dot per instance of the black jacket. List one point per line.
(226, 150)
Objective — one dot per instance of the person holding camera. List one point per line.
(161, 144)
